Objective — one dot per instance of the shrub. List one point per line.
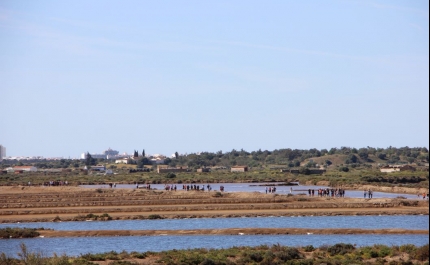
(106, 216)
(422, 253)
(409, 248)
(170, 175)
(154, 217)
(340, 249)
(344, 169)
(288, 254)
(91, 216)
(94, 257)
(138, 255)
(309, 248)
(256, 256)
(383, 251)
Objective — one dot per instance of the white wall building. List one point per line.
(107, 154)
(2, 152)
(23, 168)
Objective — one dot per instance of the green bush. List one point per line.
(340, 249)
(408, 248)
(288, 253)
(154, 217)
(9, 232)
(256, 256)
(309, 248)
(384, 251)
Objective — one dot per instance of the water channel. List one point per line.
(364, 222)
(81, 245)
(259, 187)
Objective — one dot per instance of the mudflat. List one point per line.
(45, 204)
(68, 203)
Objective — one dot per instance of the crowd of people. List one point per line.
(53, 183)
(327, 192)
(321, 192)
(185, 187)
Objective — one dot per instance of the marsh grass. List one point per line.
(338, 254)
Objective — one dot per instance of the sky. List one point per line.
(193, 76)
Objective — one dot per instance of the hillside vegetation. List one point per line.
(344, 166)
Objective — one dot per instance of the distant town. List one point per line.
(108, 154)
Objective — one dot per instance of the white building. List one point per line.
(121, 161)
(2, 152)
(107, 154)
(22, 168)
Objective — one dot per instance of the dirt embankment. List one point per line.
(231, 231)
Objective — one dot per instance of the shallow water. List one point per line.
(364, 222)
(255, 187)
(83, 245)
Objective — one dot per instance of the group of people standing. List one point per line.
(328, 192)
(368, 193)
(270, 190)
(197, 187)
(53, 183)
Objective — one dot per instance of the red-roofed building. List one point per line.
(25, 168)
(239, 169)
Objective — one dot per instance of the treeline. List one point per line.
(284, 157)
(295, 157)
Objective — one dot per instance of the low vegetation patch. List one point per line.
(94, 217)
(276, 254)
(9, 232)
(155, 217)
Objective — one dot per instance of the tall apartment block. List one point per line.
(2, 152)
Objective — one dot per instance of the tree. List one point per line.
(136, 154)
(344, 169)
(176, 155)
(167, 161)
(363, 153)
(382, 156)
(143, 152)
(143, 161)
(89, 160)
(351, 159)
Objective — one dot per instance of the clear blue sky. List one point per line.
(190, 76)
